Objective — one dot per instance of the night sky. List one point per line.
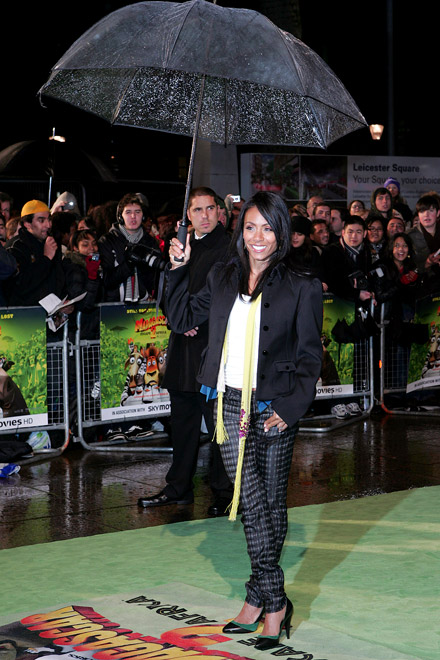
(350, 36)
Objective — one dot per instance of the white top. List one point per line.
(236, 340)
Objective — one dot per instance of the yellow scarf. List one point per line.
(246, 393)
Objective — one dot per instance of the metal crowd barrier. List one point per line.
(56, 394)
(320, 419)
(395, 395)
(88, 369)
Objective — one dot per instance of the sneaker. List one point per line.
(138, 433)
(353, 408)
(115, 435)
(6, 469)
(340, 411)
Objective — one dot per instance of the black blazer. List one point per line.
(183, 356)
(290, 349)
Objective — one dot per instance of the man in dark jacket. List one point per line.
(127, 279)
(345, 264)
(38, 258)
(209, 243)
(39, 273)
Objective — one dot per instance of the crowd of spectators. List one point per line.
(116, 251)
(360, 249)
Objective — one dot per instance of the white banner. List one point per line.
(338, 179)
(416, 176)
(23, 422)
(154, 409)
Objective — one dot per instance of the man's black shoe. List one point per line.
(218, 508)
(161, 500)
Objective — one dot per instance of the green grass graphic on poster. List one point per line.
(23, 361)
(133, 358)
(424, 363)
(337, 358)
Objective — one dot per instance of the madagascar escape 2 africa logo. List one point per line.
(77, 633)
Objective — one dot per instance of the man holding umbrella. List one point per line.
(209, 244)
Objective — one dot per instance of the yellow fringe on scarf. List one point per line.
(246, 393)
(220, 434)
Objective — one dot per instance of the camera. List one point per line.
(143, 254)
(382, 286)
(68, 206)
(236, 199)
(359, 280)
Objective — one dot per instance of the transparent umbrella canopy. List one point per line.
(143, 66)
(194, 68)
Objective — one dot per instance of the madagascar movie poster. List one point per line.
(128, 628)
(337, 360)
(424, 362)
(134, 345)
(23, 368)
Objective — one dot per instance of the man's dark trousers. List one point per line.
(188, 409)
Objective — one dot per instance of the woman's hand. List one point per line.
(176, 250)
(275, 420)
(192, 332)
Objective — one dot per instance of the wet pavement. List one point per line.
(83, 492)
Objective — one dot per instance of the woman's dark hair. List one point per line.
(273, 209)
(407, 240)
(80, 236)
(90, 224)
(358, 201)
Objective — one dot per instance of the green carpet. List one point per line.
(363, 576)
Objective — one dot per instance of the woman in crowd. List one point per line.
(82, 266)
(357, 207)
(404, 275)
(405, 284)
(304, 258)
(376, 239)
(257, 308)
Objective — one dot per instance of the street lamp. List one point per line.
(55, 138)
(376, 131)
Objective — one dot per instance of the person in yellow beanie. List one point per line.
(38, 256)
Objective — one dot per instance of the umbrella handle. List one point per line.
(181, 237)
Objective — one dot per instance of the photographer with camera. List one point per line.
(346, 263)
(131, 260)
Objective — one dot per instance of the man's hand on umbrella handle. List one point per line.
(176, 250)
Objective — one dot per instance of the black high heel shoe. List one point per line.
(235, 628)
(267, 642)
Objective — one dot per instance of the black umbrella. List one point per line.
(194, 68)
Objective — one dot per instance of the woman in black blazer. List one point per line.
(261, 364)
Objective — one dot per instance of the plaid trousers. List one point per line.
(266, 466)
